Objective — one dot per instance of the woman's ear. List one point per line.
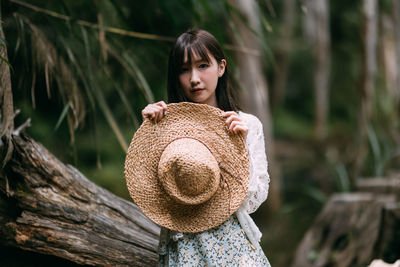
(221, 67)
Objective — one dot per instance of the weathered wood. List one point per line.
(390, 185)
(389, 244)
(51, 208)
(352, 230)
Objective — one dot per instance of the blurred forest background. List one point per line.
(330, 74)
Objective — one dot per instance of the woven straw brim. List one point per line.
(205, 124)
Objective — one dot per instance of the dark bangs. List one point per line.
(197, 49)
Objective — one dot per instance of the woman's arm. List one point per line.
(259, 177)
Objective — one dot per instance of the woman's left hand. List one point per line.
(235, 123)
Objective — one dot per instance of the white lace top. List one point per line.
(259, 178)
(258, 186)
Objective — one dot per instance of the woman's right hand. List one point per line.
(155, 112)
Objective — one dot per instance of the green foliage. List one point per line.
(84, 87)
(93, 77)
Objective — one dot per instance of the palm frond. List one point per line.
(98, 93)
(132, 69)
(46, 56)
(124, 100)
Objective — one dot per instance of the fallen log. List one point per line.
(51, 208)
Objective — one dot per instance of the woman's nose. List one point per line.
(194, 77)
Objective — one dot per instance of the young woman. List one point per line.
(197, 72)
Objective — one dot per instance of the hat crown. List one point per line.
(188, 171)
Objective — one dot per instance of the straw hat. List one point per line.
(187, 172)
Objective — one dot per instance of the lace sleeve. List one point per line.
(259, 177)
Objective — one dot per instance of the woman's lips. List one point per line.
(197, 90)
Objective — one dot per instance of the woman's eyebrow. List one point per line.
(201, 60)
(186, 63)
(196, 61)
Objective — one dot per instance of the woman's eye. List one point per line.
(184, 69)
(203, 66)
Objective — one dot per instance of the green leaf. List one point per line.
(140, 79)
(344, 180)
(266, 24)
(62, 116)
(101, 100)
(315, 193)
(376, 151)
(124, 99)
(312, 256)
(8, 63)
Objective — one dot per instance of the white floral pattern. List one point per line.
(224, 245)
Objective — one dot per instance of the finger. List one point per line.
(160, 114)
(146, 113)
(152, 112)
(233, 124)
(163, 105)
(233, 118)
(228, 113)
(242, 129)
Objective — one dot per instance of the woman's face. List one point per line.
(200, 78)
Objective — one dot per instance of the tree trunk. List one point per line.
(283, 53)
(367, 84)
(321, 78)
(317, 30)
(6, 101)
(254, 95)
(396, 19)
(388, 55)
(387, 52)
(51, 208)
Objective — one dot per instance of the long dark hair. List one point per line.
(199, 42)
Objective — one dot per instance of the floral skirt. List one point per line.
(224, 245)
